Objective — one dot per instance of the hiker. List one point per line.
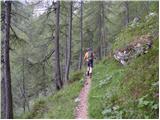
(88, 57)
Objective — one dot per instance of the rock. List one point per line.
(77, 99)
(139, 46)
(150, 15)
(135, 22)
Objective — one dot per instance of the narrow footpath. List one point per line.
(81, 111)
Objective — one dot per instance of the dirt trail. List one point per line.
(81, 109)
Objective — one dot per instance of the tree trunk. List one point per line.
(6, 70)
(145, 4)
(25, 99)
(3, 102)
(100, 33)
(58, 80)
(81, 35)
(103, 31)
(23, 87)
(44, 78)
(126, 4)
(65, 50)
(69, 43)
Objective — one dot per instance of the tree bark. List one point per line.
(25, 99)
(3, 102)
(100, 33)
(23, 87)
(81, 35)
(44, 77)
(66, 49)
(3, 98)
(69, 43)
(58, 80)
(6, 70)
(126, 4)
(103, 31)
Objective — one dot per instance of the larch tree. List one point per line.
(6, 66)
(99, 31)
(58, 80)
(126, 5)
(69, 42)
(81, 34)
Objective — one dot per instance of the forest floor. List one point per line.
(81, 111)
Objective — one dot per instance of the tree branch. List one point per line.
(14, 13)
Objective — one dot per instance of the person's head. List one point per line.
(89, 49)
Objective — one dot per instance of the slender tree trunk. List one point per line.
(100, 33)
(23, 87)
(28, 105)
(145, 4)
(69, 43)
(58, 80)
(91, 39)
(44, 77)
(7, 75)
(66, 50)
(126, 3)
(103, 31)
(3, 98)
(3, 102)
(81, 35)
(25, 102)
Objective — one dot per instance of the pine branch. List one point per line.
(13, 31)
(14, 24)
(15, 13)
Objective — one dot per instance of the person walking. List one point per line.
(89, 57)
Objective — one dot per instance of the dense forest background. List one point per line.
(48, 39)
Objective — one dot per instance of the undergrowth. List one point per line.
(127, 91)
(58, 106)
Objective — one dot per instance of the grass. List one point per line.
(61, 105)
(130, 91)
(149, 26)
(116, 86)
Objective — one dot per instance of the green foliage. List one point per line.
(38, 109)
(58, 106)
(127, 92)
(148, 25)
(76, 76)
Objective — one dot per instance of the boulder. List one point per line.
(139, 46)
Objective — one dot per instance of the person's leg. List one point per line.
(88, 68)
(88, 71)
(91, 68)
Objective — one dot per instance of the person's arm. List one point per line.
(94, 56)
(85, 57)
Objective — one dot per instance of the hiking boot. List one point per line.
(90, 75)
(86, 83)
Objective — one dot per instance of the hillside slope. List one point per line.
(128, 91)
(57, 106)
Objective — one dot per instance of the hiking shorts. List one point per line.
(90, 63)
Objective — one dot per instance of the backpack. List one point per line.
(90, 55)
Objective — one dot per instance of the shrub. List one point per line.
(76, 76)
